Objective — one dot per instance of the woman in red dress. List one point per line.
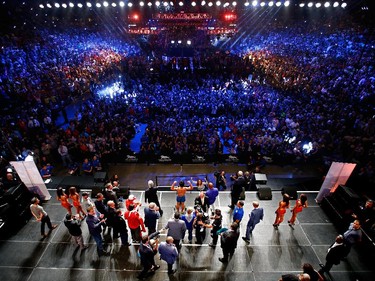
(281, 210)
(73, 194)
(298, 207)
(63, 198)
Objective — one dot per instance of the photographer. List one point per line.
(147, 251)
(200, 223)
(216, 225)
(73, 224)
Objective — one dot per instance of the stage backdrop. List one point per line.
(29, 174)
(338, 174)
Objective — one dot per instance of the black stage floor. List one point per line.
(271, 252)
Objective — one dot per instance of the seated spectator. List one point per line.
(87, 167)
(46, 171)
(96, 164)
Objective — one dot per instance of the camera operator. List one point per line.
(216, 225)
(200, 223)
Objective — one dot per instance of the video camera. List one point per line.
(205, 216)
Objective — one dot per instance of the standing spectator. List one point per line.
(94, 221)
(110, 194)
(152, 196)
(181, 191)
(301, 203)
(228, 241)
(366, 215)
(151, 217)
(238, 186)
(73, 194)
(189, 218)
(212, 193)
(201, 185)
(353, 235)
(63, 198)
(221, 182)
(41, 215)
(281, 210)
(119, 226)
(64, 153)
(135, 223)
(202, 201)
(73, 225)
(238, 213)
(86, 201)
(216, 226)
(336, 252)
(147, 252)
(111, 217)
(168, 253)
(100, 205)
(132, 200)
(176, 228)
(314, 275)
(255, 217)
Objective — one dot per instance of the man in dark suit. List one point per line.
(147, 252)
(228, 241)
(202, 201)
(336, 252)
(238, 186)
(255, 217)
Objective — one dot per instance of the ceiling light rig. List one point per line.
(270, 4)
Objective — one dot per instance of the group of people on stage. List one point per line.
(105, 218)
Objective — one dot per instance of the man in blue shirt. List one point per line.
(238, 212)
(212, 193)
(87, 167)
